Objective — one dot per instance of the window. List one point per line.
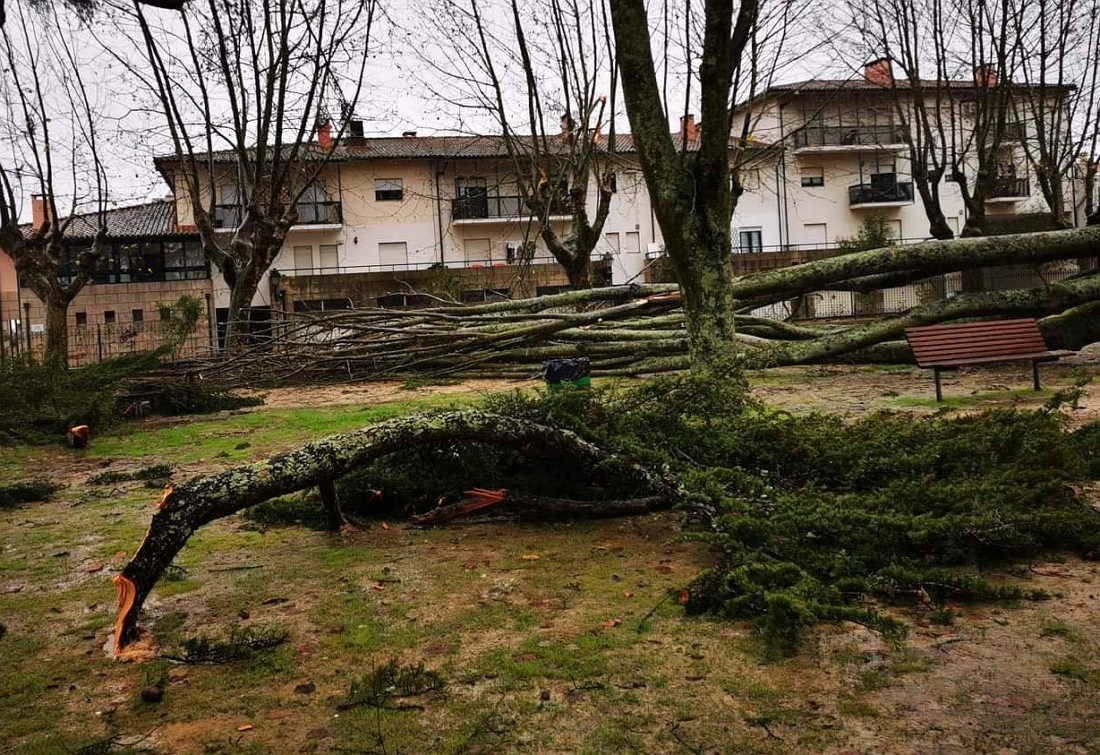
(388, 190)
(893, 229)
(330, 258)
(632, 242)
(303, 259)
(750, 240)
(227, 212)
(813, 176)
(551, 290)
(193, 266)
(612, 240)
(477, 250)
(393, 252)
(316, 207)
(109, 317)
(137, 315)
(485, 294)
(81, 319)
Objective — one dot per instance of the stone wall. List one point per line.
(93, 332)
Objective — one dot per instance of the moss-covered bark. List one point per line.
(185, 508)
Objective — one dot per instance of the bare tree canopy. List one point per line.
(49, 148)
(256, 96)
(545, 75)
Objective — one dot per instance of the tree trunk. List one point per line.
(185, 508)
(240, 307)
(709, 303)
(57, 332)
(580, 273)
(937, 223)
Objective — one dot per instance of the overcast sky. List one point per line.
(405, 64)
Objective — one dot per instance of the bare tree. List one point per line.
(260, 79)
(691, 190)
(1059, 54)
(902, 32)
(50, 148)
(528, 67)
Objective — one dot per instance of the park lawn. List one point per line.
(561, 638)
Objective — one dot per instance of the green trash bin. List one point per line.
(567, 373)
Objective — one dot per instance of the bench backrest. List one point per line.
(944, 344)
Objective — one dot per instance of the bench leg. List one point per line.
(1035, 375)
(939, 389)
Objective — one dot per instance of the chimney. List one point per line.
(408, 134)
(39, 211)
(985, 75)
(688, 127)
(879, 71)
(324, 134)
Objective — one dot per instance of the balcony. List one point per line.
(880, 193)
(1009, 189)
(309, 214)
(472, 209)
(818, 138)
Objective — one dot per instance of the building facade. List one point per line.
(392, 218)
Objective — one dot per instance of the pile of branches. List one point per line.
(640, 329)
(810, 518)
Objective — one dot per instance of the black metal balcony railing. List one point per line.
(481, 208)
(1010, 187)
(309, 213)
(880, 192)
(813, 135)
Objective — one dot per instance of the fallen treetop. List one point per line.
(185, 508)
(640, 329)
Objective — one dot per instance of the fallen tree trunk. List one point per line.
(185, 508)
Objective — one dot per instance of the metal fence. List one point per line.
(94, 343)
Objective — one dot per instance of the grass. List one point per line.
(972, 400)
(499, 629)
(251, 434)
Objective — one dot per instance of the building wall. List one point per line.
(104, 319)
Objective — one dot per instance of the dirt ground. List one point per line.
(549, 638)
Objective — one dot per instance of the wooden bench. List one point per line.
(948, 347)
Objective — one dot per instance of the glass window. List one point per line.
(137, 315)
(813, 176)
(632, 242)
(388, 189)
(317, 207)
(612, 240)
(750, 241)
(81, 319)
(109, 317)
